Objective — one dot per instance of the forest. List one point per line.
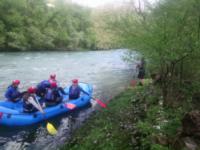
(167, 34)
(38, 25)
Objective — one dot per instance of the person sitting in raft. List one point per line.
(12, 93)
(53, 96)
(42, 88)
(52, 78)
(75, 90)
(30, 103)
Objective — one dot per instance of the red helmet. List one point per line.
(75, 81)
(16, 82)
(53, 76)
(31, 90)
(53, 84)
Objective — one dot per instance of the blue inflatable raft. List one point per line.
(11, 114)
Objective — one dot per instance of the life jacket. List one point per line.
(49, 95)
(52, 94)
(74, 92)
(12, 93)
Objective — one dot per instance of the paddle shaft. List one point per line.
(50, 128)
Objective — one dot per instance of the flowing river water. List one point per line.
(105, 70)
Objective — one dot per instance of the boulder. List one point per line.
(191, 124)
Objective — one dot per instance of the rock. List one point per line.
(95, 141)
(190, 144)
(189, 137)
(135, 132)
(161, 139)
(137, 138)
(187, 143)
(191, 124)
(136, 148)
(133, 140)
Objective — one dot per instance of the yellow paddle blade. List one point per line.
(51, 129)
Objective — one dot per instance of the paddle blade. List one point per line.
(51, 129)
(101, 103)
(35, 104)
(70, 106)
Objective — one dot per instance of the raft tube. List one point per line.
(11, 114)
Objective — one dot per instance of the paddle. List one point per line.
(50, 128)
(35, 104)
(102, 104)
(70, 106)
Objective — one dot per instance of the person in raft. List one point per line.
(12, 93)
(75, 90)
(42, 87)
(52, 78)
(141, 73)
(30, 103)
(53, 95)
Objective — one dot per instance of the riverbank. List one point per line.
(104, 129)
(135, 119)
(114, 127)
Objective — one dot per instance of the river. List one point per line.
(105, 70)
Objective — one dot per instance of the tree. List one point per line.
(167, 34)
(32, 25)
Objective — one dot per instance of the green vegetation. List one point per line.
(135, 119)
(105, 129)
(167, 34)
(33, 25)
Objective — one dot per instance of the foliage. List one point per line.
(33, 25)
(168, 35)
(105, 38)
(158, 147)
(159, 124)
(116, 127)
(104, 129)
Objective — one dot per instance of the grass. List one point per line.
(134, 120)
(104, 130)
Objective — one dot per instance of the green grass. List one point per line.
(103, 130)
(132, 121)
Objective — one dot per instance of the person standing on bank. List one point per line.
(141, 73)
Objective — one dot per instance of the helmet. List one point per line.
(16, 82)
(53, 76)
(47, 84)
(53, 84)
(31, 90)
(75, 81)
